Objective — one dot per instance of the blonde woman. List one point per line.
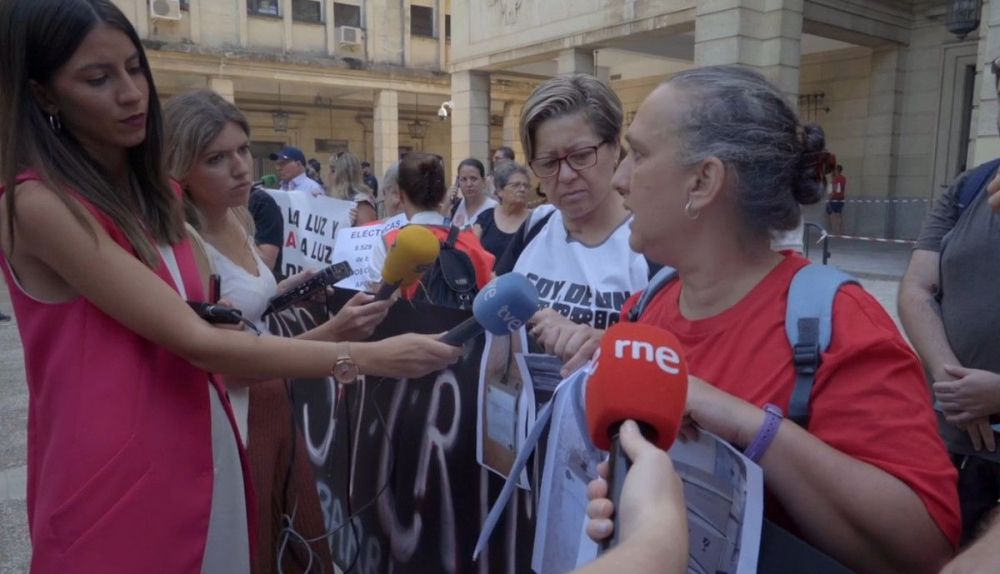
(348, 183)
(208, 153)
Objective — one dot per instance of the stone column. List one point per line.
(764, 34)
(512, 130)
(470, 121)
(286, 17)
(224, 87)
(885, 106)
(575, 61)
(385, 130)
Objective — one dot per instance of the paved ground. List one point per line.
(878, 266)
(15, 550)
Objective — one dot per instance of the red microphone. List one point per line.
(638, 374)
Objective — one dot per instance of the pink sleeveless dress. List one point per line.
(120, 467)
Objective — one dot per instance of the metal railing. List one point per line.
(823, 237)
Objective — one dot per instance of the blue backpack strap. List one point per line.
(809, 325)
(664, 276)
(976, 181)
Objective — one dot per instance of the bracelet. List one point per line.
(765, 436)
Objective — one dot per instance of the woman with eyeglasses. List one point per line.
(575, 250)
(497, 225)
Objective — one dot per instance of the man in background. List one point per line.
(291, 165)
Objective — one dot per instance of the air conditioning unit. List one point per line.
(165, 9)
(349, 36)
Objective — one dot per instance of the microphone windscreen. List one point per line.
(638, 374)
(505, 304)
(415, 250)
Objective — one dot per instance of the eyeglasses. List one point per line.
(577, 160)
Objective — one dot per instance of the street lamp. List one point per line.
(962, 17)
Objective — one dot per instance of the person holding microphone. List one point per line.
(128, 431)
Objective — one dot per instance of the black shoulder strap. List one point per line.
(534, 230)
(452, 236)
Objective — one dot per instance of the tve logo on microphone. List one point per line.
(509, 318)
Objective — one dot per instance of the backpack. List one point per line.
(451, 280)
(973, 183)
(808, 324)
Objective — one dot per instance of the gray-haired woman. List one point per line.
(717, 161)
(497, 225)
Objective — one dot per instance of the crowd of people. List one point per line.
(148, 424)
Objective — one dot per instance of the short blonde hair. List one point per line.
(570, 94)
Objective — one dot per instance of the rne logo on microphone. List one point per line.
(665, 358)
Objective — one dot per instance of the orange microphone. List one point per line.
(638, 374)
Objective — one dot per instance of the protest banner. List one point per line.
(355, 245)
(311, 225)
(400, 455)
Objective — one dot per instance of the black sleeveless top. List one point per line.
(493, 238)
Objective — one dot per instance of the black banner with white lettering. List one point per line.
(400, 455)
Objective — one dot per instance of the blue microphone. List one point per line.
(502, 307)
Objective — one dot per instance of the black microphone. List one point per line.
(216, 314)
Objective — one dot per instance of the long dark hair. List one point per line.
(38, 37)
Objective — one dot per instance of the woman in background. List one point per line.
(497, 225)
(348, 183)
(421, 190)
(472, 185)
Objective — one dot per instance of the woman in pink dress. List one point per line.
(133, 460)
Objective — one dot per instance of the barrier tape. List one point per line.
(918, 200)
(875, 239)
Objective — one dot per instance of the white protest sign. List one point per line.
(311, 225)
(355, 245)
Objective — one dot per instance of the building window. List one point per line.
(264, 7)
(307, 10)
(346, 14)
(422, 21)
(447, 26)
(185, 4)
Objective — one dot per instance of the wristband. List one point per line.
(765, 436)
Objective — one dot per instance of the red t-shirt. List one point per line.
(870, 399)
(839, 187)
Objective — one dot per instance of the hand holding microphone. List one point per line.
(652, 513)
(415, 250)
(639, 375)
(502, 307)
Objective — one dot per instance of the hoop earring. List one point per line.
(55, 123)
(691, 214)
